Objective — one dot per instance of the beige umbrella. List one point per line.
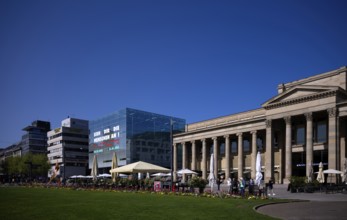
(94, 172)
(211, 177)
(320, 176)
(139, 167)
(114, 165)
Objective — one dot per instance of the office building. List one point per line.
(134, 135)
(68, 146)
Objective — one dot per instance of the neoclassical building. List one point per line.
(303, 125)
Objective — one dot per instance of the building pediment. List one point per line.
(302, 93)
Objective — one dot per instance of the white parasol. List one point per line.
(211, 177)
(320, 176)
(186, 171)
(161, 174)
(258, 175)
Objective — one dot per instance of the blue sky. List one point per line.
(191, 59)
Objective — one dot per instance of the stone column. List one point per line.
(309, 143)
(227, 156)
(332, 156)
(215, 156)
(269, 167)
(174, 146)
(342, 143)
(254, 153)
(184, 160)
(204, 170)
(288, 157)
(193, 155)
(240, 155)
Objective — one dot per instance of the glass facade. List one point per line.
(134, 135)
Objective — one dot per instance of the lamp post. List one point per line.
(171, 145)
(64, 159)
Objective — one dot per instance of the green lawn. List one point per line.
(54, 203)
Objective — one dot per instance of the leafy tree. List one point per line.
(29, 165)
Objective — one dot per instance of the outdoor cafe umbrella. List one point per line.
(160, 174)
(94, 172)
(330, 172)
(186, 171)
(139, 167)
(258, 174)
(320, 176)
(211, 177)
(114, 165)
(104, 175)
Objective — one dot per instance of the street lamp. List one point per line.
(171, 145)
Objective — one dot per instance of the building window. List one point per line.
(320, 132)
(233, 146)
(246, 145)
(260, 144)
(222, 149)
(299, 135)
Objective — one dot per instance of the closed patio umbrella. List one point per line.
(114, 165)
(320, 176)
(211, 177)
(258, 174)
(94, 172)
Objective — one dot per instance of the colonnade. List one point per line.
(285, 161)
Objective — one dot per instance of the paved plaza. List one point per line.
(318, 205)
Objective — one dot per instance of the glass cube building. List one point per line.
(134, 135)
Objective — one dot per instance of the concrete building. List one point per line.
(68, 146)
(33, 141)
(303, 125)
(134, 135)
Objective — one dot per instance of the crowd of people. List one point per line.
(241, 187)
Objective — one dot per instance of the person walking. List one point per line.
(251, 187)
(270, 186)
(219, 181)
(242, 184)
(234, 185)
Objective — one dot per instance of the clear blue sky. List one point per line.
(191, 59)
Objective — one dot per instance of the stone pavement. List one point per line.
(318, 205)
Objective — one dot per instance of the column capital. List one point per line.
(183, 143)
(239, 134)
(203, 140)
(193, 141)
(332, 112)
(308, 116)
(226, 136)
(268, 123)
(288, 120)
(253, 132)
(214, 138)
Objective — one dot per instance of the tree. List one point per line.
(30, 165)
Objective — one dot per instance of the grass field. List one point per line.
(58, 203)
